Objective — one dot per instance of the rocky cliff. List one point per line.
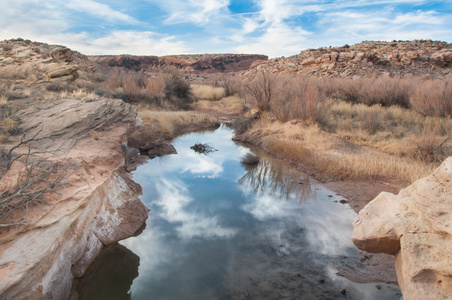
(96, 204)
(194, 64)
(414, 225)
(366, 59)
(87, 200)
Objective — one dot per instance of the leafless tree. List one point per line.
(36, 178)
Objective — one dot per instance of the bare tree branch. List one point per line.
(37, 178)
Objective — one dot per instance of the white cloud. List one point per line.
(128, 42)
(353, 26)
(100, 10)
(269, 27)
(199, 12)
(174, 199)
(266, 206)
(202, 165)
(49, 23)
(277, 40)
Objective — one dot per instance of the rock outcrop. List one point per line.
(96, 205)
(194, 64)
(366, 59)
(414, 225)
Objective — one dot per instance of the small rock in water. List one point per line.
(321, 280)
(343, 201)
(344, 291)
(378, 286)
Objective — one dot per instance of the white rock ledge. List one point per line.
(416, 226)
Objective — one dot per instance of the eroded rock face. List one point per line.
(196, 63)
(98, 204)
(367, 59)
(414, 225)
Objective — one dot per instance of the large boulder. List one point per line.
(414, 225)
(96, 203)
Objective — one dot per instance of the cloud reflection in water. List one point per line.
(174, 199)
(202, 165)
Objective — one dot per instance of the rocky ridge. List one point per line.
(193, 64)
(98, 204)
(95, 203)
(366, 59)
(415, 226)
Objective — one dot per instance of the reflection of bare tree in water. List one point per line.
(274, 178)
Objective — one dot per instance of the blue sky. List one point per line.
(271, 27)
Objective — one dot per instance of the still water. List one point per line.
(221, 230)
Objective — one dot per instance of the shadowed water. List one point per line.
(220, 230)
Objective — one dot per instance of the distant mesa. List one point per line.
(194, 64)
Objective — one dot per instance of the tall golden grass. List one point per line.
(207, 92)
(313, 149)
(170, 123)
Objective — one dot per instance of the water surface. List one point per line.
(220, 230)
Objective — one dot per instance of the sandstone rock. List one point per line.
(157, 148)
(66, 73)
(62, 53)
(97, 205)
(430, 58)
(414, 225)
(62, 123)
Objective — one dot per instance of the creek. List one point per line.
(219, 229)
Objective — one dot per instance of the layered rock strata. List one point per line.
(416, 227)
(96, 206)
(366, 59)
(196, 63)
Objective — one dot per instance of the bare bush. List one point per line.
(35, 178)
(177, 90)
(298, 98)
(230, 87)
(385, 91)
(433, 97)
(371, 119)
(260, 91)
(250, 159)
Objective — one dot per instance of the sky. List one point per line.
(271, 27)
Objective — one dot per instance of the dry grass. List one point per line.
(95, 135)
(82, 95)
(228, 105)
(3, 99)
(170, 123)
(311, 147)
(207, 92)
(394, 130)
(433, 98)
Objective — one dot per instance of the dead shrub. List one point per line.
(433, 97)
(386, 91)
(230, 86)
(250, 159)
(261, 91)
(177, 90)
(371, 119)
(433, 145)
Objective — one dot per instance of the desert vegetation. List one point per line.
(375, 128)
